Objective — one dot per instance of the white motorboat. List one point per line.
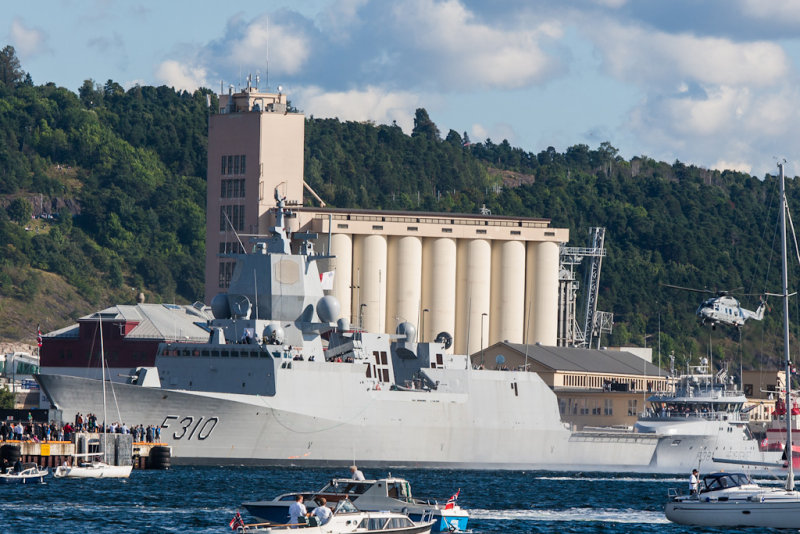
(92, 467)
(732, 500)
(391, 494)
(27, 473)
(344, 520)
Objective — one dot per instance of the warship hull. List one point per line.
(374, 428)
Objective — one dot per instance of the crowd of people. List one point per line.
(28, 430)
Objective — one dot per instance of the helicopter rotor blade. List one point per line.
(688, 288)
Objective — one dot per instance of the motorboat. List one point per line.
(27, 473)
(344, 520)
(90, 465)
(732, 500)
(391, 493)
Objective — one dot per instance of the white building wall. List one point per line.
(438, 287)
(404, 282)
(473, 290)
(507, 313)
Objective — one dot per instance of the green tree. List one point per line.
(11, 73)
(20, 210)
(6, 399)
(424, 126)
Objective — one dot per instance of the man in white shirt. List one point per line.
(296, 511)
(322, 512)
(694, 482)
(357, 474)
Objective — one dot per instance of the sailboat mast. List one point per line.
(785, 275)
(103, 379)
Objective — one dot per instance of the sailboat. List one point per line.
(732, 499)
(91, 464)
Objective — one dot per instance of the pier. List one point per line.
(122, 450)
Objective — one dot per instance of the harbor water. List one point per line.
(204, 499)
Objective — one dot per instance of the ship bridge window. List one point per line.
(204, 353)
(224, 353)
(215, 354)
(185, 352)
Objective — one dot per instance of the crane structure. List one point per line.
(595, 323)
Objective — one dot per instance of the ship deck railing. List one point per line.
(694, 415)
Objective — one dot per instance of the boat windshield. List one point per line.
(344, 507)
(719, 481)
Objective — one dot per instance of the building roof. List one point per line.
(155, 321)
(616, 362)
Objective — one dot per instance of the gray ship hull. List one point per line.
(380, 429)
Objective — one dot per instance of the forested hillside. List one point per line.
(115, 181)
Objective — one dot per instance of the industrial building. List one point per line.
(595, 388)
(481, 278)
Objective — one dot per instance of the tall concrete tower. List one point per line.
(255, 145)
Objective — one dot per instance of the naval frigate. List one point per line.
(283, 380)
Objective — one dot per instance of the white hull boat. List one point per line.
(29, 474)
(93, 470)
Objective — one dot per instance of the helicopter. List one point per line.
(724, 309)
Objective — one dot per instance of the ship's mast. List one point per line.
(785, 275)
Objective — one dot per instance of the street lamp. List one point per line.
(482, 316)
(422, 326)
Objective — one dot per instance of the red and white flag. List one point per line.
(326, 279)
(451, 502)
(39, 336)
(236, 522)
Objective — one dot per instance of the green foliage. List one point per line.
(20, 210)
(124, 174)
(6, 399)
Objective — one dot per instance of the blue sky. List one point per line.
(709, 82)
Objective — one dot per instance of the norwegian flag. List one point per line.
(236, 522)
(451, 502)
(39, 336)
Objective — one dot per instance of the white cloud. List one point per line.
(783, 11)
(371, 104)
(181, 76)
(740, 166)
(479, 133)
(28, 42)
(286, 47)
(466, 51)
(643, 56)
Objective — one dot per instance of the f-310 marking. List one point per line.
(187, 427)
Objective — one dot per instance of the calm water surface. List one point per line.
(203, 499)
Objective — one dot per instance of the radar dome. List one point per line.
(219, 306)
(343, 325)
(273, 334)
(407, 329)
(328, 309)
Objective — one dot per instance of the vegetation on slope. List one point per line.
(122, 174)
